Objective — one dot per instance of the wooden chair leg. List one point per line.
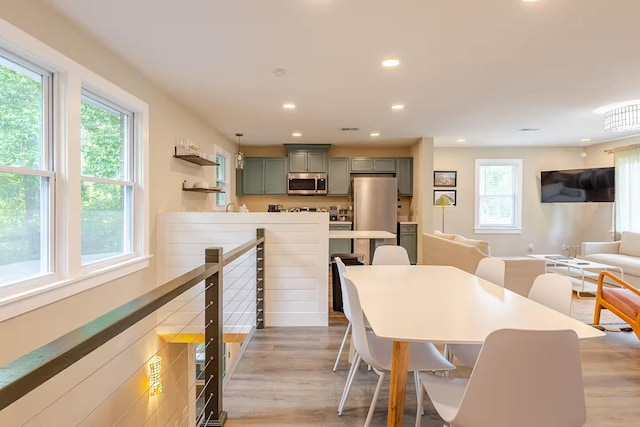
(596, 313)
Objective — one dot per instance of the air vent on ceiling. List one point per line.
(528, 130)
(349, 129)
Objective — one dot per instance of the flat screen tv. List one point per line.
(578, 185)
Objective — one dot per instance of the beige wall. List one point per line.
(168, 120)
(546, 225)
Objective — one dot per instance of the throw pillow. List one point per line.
(480, 244)
(630, 243)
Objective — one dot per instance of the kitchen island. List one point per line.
(296, 246)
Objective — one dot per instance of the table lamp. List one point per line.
(444, 201)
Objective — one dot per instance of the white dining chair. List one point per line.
(377, 351)
(491, 269)
(523, 378)
(347, 312)
(390, 255)
(554, 291)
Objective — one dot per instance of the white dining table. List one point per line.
(443, 304)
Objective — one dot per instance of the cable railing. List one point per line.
(198, 324)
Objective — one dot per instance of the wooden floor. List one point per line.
(285, 379)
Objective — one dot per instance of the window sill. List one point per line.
(492, 230)
(21, 298)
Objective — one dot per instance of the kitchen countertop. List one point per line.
(408, 222)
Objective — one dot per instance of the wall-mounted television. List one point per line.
(577, 185)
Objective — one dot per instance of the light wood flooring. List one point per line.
(285, 379)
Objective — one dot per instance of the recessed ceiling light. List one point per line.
(585, 140)
(289, 106)
(375, 134)
(296, 134)
(391, 63)
(461, 140)
(529, 1)
(397, 107)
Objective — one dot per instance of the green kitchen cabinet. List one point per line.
(373, 165)
(339, 176)
(404, 175)
(409, 240)
(307, 161)
(339, 246)
(264, 175)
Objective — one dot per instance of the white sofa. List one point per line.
(623, 253)
(458, 251)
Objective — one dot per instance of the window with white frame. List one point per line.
(107, 184)
(73, 169)
(223, 177)
(26, 174)
(498, 204)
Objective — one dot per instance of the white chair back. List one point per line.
(491, 269)
(554, 291)
(359, 332)
(345, 298)
(390, 255)
(526, 379)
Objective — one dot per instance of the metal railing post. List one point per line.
(260, 256)
(214, 352)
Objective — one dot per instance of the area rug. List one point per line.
(582, 309)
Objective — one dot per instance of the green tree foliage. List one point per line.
(21, 144)
(102, 134)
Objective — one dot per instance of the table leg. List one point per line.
(398, 383)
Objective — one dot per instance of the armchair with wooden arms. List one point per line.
(624, 302)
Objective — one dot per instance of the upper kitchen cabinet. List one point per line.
(307, 161)
(373, 165)
(404, 175)
(264, 175)
(307, 158)
(338, 176)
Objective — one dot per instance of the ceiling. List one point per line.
(472, 70)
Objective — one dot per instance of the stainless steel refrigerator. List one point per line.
(375, 206)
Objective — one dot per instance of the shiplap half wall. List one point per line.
(296, 272)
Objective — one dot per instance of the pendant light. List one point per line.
(239, 155)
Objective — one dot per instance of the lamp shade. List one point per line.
(444, 201)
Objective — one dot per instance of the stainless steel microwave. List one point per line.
(307, 184)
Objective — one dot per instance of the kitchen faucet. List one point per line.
(235, 207)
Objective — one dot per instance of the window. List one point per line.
(107, 179)
(73, 169)
(223, 177)
(26, 174)
(498, 196)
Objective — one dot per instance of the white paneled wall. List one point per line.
(296, 273)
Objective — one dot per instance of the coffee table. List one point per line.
(582, 265)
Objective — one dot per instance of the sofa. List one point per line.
(458, 251)
(623, 253)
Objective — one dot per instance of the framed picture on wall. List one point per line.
(444, 178)
(449, 193)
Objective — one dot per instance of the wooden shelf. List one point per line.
(192, 158)
(203, 190)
